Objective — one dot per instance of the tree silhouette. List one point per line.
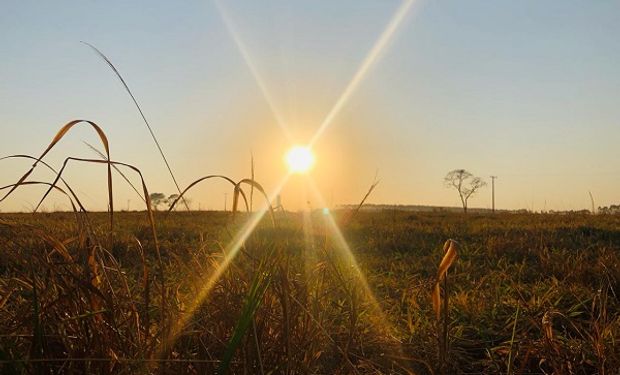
(465, 184)
(157, 199)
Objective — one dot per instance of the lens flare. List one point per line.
(260, 81)
(362, 71)
(230, 252)
(342, 247)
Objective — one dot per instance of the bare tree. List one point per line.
(157, 199)
(465, 184)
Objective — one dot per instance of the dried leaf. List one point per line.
(450, 249)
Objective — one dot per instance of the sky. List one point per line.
(525, 90)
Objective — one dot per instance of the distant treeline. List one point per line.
(612, 209)
(418, 208)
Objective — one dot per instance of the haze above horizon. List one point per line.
(524, 90)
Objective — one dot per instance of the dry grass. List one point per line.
(64, 299)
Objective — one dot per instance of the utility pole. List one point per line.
(493, 192)
(225, 199)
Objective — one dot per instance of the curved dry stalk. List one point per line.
(75, 196)
(18, 156)
(258, 187)
(75, 210)
(103, 157)
(109, 162)
(450, 250)
(203, 179)
(59, 135)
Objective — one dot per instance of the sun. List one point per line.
(299, 159)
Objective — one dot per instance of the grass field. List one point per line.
(528, 293)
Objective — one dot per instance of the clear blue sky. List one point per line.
(526, 90)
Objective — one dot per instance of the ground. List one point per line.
(528, 293)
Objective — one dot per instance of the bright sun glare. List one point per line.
(299, 159)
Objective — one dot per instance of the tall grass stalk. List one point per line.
(258, 287)
(512, 340)
(450, 254)
(148, 126)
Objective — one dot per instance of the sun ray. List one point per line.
(235, 245)
(363, 69)
(230, 252)
(380, 319)
(232, 30)
(308, 251)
